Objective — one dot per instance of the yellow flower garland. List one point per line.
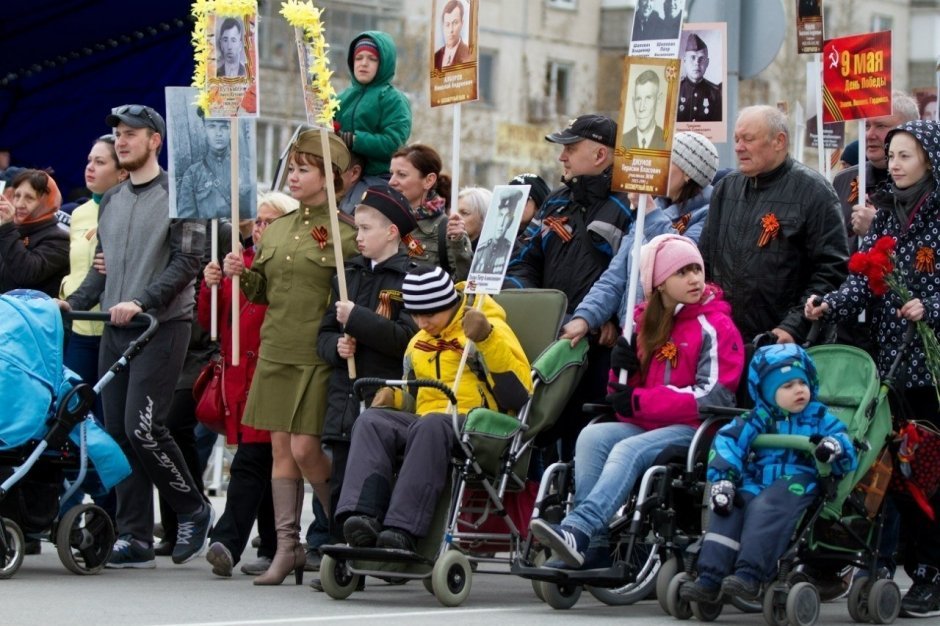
(305, 16)
(201, 10)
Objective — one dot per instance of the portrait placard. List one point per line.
(199, 161)
(703, 90)
(656, 28)
(313, 101)
(809, 26)
(494, 248)
(454, 52)
(648, 111)
(232, 68)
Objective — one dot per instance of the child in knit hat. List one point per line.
(374, 118)
(387, 512)
(688, 354)
(759, 494)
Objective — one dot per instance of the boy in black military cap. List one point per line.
(369, 325)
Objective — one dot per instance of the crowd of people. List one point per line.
(732, 259)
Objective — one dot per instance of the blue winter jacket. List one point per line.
(608, 296)
(733, 459)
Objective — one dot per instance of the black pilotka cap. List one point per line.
(393, 205)
(599, 128)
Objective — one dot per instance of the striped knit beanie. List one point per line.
(428, 291)
(696, 156)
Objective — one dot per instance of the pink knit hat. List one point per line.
(662, 257)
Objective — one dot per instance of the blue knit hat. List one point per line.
(784, 372)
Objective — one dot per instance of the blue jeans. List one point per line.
(609, 458)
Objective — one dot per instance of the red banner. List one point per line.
(857, 77)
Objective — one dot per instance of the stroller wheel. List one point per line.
(452, 578)
(803, 605)
(338, 582)
(644, 559)
(15, 548)
(560, 597)
(678, 608)
(84, 539)
(775, 605)
(858, 600)
(884, 601)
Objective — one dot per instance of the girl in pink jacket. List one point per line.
(688, 355)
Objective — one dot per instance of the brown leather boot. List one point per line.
(288, 496)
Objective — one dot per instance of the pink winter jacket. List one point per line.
(709, 362)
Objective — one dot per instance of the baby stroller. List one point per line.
(488, 499)
(843, 528)
(46, 431)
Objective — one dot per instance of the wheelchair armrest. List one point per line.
(597, 409)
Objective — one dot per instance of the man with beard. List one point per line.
(206, 188)
(150, 264)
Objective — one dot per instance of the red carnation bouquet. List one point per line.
(879, 266)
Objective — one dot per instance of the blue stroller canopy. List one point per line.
(31, 371)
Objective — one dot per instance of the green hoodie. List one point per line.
(378, 114)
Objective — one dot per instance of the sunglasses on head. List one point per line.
(136, 110)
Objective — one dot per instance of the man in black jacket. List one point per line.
(582, 225)
(774, 234)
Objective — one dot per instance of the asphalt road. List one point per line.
(44, 592)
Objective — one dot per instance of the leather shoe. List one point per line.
(397, 539)
(313, 561)
(361, 531)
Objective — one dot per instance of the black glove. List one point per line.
(827, 449)
(722, 497)
(347, 137)
(623, 356)
(621, 399)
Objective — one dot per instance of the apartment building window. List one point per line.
(558, 82)
(487, 77)
(881, 23)
(571, 5)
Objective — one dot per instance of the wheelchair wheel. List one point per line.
(775, 605)
(884, 601)
(645, 559)
(858, 600)
(802, 605)
(678, 608)
(451, 578)
(665, 575)
(16, 548)
(560, 597)
(541, 555)
(338, 582)
(84, 539)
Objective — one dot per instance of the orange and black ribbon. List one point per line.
(925, 261)
(558, 226)
(385, 305)
(414, 246)
(668, 352)
(853, 191)
(321, 235)
(682, 224)
(439, 346)
(771, 227)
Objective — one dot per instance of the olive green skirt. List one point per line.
(288, 398)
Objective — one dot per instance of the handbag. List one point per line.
(212, 409)
(918, 463)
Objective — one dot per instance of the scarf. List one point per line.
(906, 201)
(432, 206)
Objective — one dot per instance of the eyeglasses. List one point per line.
(136, 110)
(262, 223)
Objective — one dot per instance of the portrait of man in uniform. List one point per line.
(455, 50)
(493, 253)
(645, 98)
(699, 98)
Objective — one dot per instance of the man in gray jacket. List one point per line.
(150, 264)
